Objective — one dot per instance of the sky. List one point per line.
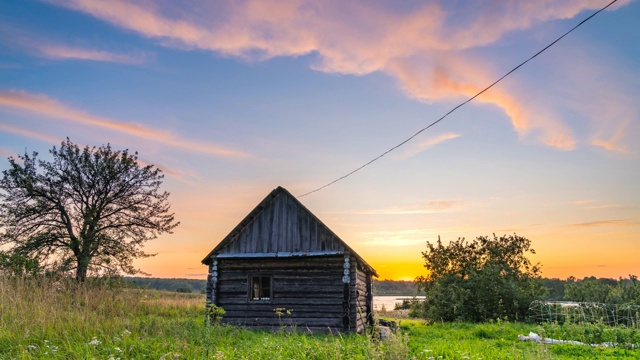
(234, 98)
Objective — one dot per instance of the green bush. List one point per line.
(480, 280)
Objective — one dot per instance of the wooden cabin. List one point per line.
(281, 256)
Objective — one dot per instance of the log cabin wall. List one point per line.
(310, 287)
(362, 298)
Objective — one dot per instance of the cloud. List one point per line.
(430, 207)
(428, 47)
(404, 237)
(66, 52)
(605, 223)
(29, 133)
(5, 153)
(582, 202)
(592, 205)
(426, 144)
(43, 105)
(48, 48)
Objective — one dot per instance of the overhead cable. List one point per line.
(459, 105)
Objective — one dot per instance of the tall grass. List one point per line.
(61, 319)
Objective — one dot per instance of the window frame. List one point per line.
(261, 288)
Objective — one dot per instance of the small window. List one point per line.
(260, 288)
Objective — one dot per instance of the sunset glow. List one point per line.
(232, 99)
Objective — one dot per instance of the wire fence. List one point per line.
(564, 312)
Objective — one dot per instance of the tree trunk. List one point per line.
(81, 270)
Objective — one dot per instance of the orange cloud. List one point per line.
(421, 45)
(46, 106)
(606, 223)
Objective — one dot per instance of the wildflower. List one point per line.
(31, 347)
(95, 341)
(126, 332)
(118, 349)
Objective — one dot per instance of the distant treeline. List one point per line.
(556, 287)
(393, 287)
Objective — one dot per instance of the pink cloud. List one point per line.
(43, 105)
(29, 133)
(40, 46)
(424, 46)
(426, 144)
(67, 52)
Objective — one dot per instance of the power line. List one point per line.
(461, 104)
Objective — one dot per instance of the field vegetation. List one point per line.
(45, 318)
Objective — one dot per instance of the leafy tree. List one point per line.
(555, 287)
(588, 289)
(14, 264)
(603, 290)
(479, 280)
(88, 210)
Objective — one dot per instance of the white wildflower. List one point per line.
(118, 349)
(95, 341)
(31, 347)
(126, 332)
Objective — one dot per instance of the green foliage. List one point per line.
(598, 333)
(484, 279)
(87, 210)
(213, 314)
(15, 264)
(591, 289)
(555, 288)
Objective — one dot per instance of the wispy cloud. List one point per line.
(45, 106)
(593, 205)
(29, 133)
(184, 176)
(431, 207)
(41, 46)
(605, 223)
(67, 52)
(5, 153)
(425, 46)
(582, 202)
(405, 237)
(426, 144)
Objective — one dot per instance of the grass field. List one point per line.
(44, 319)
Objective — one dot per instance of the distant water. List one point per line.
(390, 302)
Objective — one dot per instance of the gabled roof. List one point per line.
(281, 226)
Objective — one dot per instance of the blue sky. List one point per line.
(232, 99)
